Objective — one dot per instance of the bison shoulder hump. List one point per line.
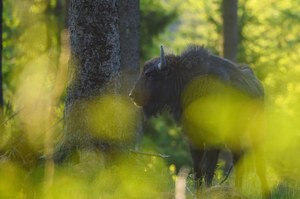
(194, 56)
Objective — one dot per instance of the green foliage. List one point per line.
(9, 33)
(164, 135)
(35, 56)
(91, 176)
(269, 43)
(30, 29)
(199, 22)
(34, 71)
(155, 16)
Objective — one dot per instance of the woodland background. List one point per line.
(35, 60)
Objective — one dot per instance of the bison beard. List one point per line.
(217, 103)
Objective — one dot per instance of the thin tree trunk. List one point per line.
(230, 29)
(95, 63)
(230, 44)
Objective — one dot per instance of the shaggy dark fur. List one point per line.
(162, 88)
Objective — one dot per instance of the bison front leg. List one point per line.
(197, 154)
(209, 164)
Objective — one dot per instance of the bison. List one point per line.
(217, 102)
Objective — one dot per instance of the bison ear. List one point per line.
(162, 64)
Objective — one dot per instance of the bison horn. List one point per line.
(162, 63)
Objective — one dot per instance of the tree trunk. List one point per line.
(129, 25)
(94, 68)
(66, 5)
(230, 29)
(230, 43)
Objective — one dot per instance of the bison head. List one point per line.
(154, 89)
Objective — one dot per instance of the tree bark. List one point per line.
(94, 68)
(129, 14)
(66, 5)
(129, 25)
(230, 29)
(129, 42)
(230, 44)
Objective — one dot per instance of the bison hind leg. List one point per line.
(209, 164)
(204, 164)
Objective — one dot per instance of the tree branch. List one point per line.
(149, 154)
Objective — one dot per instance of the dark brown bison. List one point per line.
(217, 102)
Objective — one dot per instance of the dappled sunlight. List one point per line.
(13, 181)
(226, 117)
(38, 77)
(250, 166)
(217, 114)
(91, 176)
(134, 174)
(67, 187)
(283, 145)
(112, 118)
(94, 176)
(34, 99)
(35, 70)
